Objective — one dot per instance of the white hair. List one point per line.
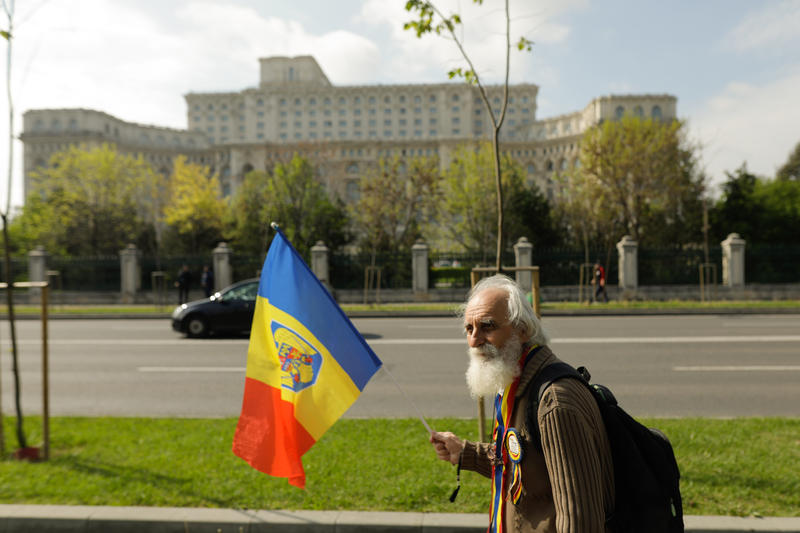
(520, 312)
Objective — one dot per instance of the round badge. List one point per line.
(513, 446)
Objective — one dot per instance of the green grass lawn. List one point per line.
(739, 467)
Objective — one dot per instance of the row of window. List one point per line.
(387, 134)
(550, 166)
(312, 101)
(387, 99)
(356, 112)
(638, 111)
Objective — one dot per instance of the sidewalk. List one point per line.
(80, 519)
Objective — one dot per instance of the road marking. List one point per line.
(681, 340)
(616, 340)
(743, 368)
(435, 341)
(191, 369)
(134, 342)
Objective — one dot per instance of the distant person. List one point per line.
(207, 281)
(184, 283)
(599, 281)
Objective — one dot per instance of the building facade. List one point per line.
(343, 130)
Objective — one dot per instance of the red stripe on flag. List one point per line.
(268, 436)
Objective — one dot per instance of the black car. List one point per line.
(228, 311)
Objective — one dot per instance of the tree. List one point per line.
(761, 210)
(9, 8)
(641, 174)
(531, 216)
(579, 207)
(467, 206)
(195, 210)
(396, 199)
(247, 223)
(790, 171)
(431, 20)
(292, 197)
(86, 202)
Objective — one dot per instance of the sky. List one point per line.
(734, 65)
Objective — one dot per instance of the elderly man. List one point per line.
(568, 484)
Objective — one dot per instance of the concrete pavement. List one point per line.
(86, 519)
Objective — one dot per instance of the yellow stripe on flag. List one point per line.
(318, 406)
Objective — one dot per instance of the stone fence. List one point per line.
(732, 287)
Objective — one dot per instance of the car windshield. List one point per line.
(246, 292)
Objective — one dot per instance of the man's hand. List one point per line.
(447, 445)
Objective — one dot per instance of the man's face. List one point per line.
(486, 319)
(494, 344)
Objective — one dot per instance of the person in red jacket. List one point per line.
(599, 281)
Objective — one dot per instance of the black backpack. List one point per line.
(646, 476)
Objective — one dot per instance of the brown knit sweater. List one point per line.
(569, 488)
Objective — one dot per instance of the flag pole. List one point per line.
(409, 400)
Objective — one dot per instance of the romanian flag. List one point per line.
(306, 365)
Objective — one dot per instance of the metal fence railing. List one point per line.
(675, 266)
(557, 266)
(347, 271)
(86, 273)
(562, 266)
(772, 264)
(452, 270)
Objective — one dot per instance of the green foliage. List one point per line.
(292, 197)
(641, 176)
(790, 171)
(86, 202)
(530, 215)
(741, 467)
(760, 210)
(397, 198)
(195, 209)
(469, 210)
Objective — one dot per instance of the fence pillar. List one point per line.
(523, 253)
(37, 264)
(223, 273)
(319, 263)
(419, 269)
(733, 261)
(37, 268)
(627, 248)
(129, 270)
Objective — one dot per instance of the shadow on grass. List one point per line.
(134, 474)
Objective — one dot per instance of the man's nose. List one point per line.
(475, 338)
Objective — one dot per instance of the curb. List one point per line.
(80, 519)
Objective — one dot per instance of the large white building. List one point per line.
(342, 129)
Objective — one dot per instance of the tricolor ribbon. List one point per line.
(503, 410)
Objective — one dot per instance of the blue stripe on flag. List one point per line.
(288, 284)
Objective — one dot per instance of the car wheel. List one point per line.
(196, 326)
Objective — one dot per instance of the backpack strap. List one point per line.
(536, 389)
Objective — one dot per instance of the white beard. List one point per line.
(491, 370)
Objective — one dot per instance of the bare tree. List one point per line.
(8, 8)
(430, 19)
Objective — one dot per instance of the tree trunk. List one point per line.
(14, 355)
(499, 185)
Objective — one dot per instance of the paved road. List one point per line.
(729, 365)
